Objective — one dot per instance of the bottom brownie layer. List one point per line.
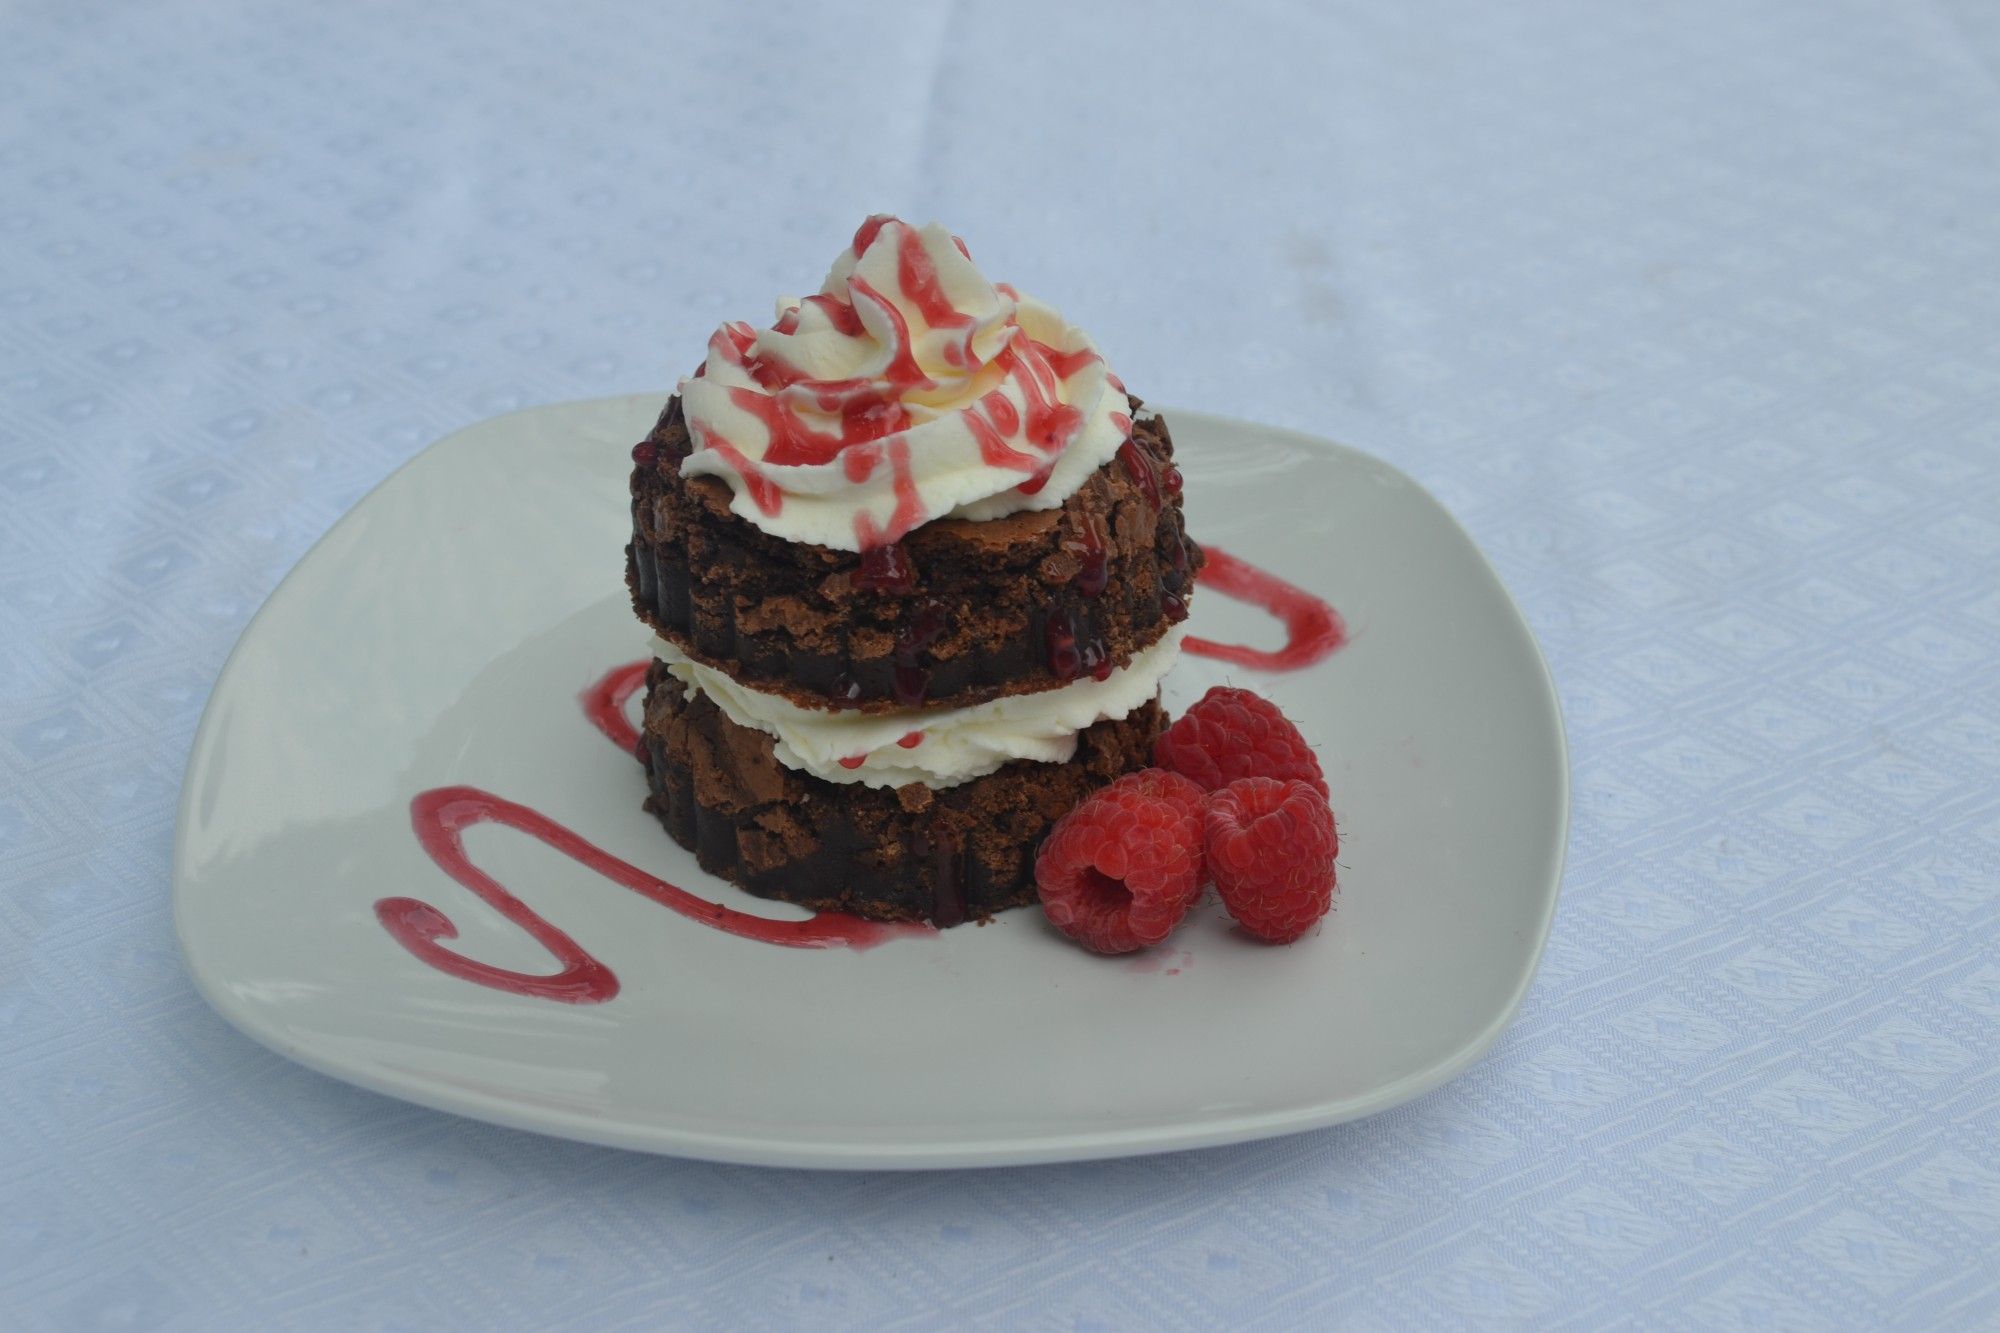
(905, 853)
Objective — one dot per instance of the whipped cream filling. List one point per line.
(908, 389)
(939, 747)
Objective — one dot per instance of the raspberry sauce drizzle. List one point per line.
(1313, 630)
(441, 816)
(604, 703)
(885, 569)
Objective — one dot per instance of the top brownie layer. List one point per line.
(955, 613)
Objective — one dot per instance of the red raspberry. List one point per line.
(1120, 871)
(1233, 734)
(1270, 847)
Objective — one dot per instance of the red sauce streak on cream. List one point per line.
(1066, 364)
(793, 444)
(909, 510)
(1313, 630)
(864, 235)
(994, 451)
(853, 761)
(1000, 411)
(1050, 424)
(859, 464)
(909, 504)
(918, 277)
(1036, 482)
(604, 703)
(910, 740)
(902, 372)
(732, 342)
(838, 313)
(764, 492)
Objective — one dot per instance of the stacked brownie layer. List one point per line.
(950, 855)
(957, 613)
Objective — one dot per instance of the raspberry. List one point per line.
(1120, 871)
(1270, 846)
(1233, 734)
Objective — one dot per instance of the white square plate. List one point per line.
(442, 633)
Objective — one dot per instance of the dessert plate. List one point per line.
(455, 631)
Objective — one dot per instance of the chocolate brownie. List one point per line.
(955, 613)
(906, 853)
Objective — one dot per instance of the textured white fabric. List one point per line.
(1691, 312)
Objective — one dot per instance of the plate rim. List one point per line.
(794, 1152)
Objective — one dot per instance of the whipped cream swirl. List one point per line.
(908, 389)
(939, 747)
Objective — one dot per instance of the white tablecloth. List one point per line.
(1691, 312)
